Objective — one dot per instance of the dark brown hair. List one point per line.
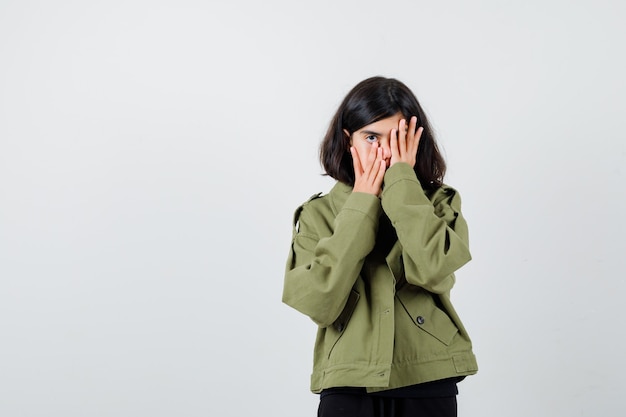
(369, 101)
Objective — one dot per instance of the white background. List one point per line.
(152, 154)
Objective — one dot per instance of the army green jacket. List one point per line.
(383, 310)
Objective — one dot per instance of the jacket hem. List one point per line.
(383, 378)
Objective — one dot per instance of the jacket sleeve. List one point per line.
(432, 232)
(324, 262)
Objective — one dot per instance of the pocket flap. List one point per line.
(421, 307)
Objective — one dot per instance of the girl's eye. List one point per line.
(371, 138)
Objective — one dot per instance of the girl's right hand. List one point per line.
(369, 173)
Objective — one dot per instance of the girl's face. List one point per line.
(377, 132)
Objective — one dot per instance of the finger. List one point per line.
(402, 137)
(412, 126)
(416, 142)
(411, 147)
(378, 172)
(380, 175)
(393, 144)
(358, 170)
(373, 167)
(371, 158)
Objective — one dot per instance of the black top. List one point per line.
(442, 388)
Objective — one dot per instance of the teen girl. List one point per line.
(372, 263)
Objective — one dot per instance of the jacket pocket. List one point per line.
(424, 313)
(344, 317)
(339, 326)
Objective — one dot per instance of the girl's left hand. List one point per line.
(404, 142)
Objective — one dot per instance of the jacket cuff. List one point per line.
(402, 188)
(398, 172)
(365, 203)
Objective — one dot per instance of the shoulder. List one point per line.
(315, 202)
(327, 204)
(309, 211)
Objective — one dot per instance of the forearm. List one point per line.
(434, 239)
(324, 265)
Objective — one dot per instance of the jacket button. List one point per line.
(420, 320)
